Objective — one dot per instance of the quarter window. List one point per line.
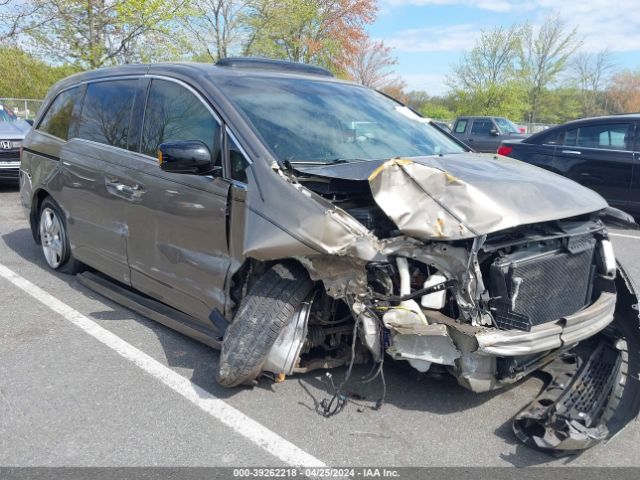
(175, 114)
(107, 111)
(237, 162)
(461, 126)
(61, 118)
(551, 138)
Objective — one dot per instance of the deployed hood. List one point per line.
(13, 130)
(464, 195)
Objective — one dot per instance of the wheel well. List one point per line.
(245, 277)
(38, 198)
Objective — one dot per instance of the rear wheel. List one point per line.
(54, 240)
(276, 299)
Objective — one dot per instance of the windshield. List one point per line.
(317, 121)
(507, 126)
(7, 115)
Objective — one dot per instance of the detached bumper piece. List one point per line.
(569, 413)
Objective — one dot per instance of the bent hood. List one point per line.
(465, 195)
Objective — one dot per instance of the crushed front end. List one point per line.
(452, 268)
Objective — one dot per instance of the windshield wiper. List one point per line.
(333, 161)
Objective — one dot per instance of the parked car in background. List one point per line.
(484, 134)
(602, 153)
(12, 132)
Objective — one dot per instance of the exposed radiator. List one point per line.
(535, 289)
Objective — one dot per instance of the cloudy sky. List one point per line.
(428, 36)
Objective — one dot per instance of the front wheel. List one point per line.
(54, 240)
(277, 299)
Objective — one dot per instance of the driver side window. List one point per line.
(482, 127)
(175, 114)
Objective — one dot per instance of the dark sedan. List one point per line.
(602, 153)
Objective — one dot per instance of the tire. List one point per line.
(54, 240)
(262, 315)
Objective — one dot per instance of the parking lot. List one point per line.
(85, 382)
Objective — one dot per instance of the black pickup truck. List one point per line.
(484, 134)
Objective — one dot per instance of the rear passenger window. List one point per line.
(551, 138)
(175, 114)
(482, 127)
(107, 111)
(61, 117)
(461, 126)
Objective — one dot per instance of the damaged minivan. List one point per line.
(299, 222)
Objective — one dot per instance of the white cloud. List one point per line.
(435, 39)
(491, 5)
(602, 23)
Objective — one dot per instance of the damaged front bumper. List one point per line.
(549, 336)
(593, 391)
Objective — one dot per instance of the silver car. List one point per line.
(300, 222)
(12, 132)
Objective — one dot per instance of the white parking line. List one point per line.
(217, 408)
(635, 237)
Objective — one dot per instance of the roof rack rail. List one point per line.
(255, 63)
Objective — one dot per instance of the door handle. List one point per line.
(573, 152)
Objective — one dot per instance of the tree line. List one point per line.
(59, 36)
(533, 75)
(525, 73)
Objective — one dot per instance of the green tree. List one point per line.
(546, 54)
(487, 80)
(436, 111)
(24, 76)
(90, 33)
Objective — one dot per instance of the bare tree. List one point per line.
(623, 93)
(547, 51)
(592, 70)
(369, 64)
(217, 26)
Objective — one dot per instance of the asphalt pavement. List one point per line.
(75, 392)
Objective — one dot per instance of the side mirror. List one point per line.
(494, 132)
(189, 157)
(29, 121)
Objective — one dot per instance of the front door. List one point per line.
(177, 240)
(600, 157)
